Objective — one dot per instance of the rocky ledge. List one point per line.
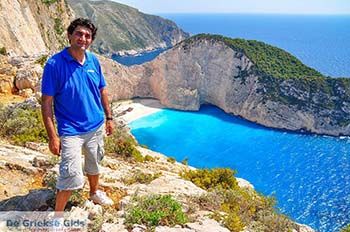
(27, 173)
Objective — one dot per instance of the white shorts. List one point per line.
(71, 175)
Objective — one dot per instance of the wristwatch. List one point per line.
(109, 118)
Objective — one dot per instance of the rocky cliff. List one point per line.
(29, 176)
(30, 27)
(255, 81)
(123, 28)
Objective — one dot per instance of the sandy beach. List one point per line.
(130, 110)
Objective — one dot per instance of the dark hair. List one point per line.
(82, 22)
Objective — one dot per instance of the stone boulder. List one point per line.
(28, 77)
(7, 76)
(38, 199)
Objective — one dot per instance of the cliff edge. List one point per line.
(31, 27)
(250, 79)
(122, 28)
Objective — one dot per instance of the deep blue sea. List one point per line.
(308, 174)
(321, 42)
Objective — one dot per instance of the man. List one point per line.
(74, 85)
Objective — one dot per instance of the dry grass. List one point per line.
(7, 99)
(115, 194)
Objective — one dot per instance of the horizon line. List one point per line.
(262, 13)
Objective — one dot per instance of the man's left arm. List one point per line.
(108, 112)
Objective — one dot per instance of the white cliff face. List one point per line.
(20, 32)
(31, 27)
(209, 72)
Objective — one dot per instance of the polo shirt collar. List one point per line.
(69, 58)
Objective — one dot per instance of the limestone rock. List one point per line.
(92, 209)
(139, 228)
(304, 228)
(244, 183)
(7, 76)
(207, 225)
(208, 71)
(20, 157)
(6, 84)
(32, 27)
(108, 227)
(35, 200)
(173, 229)
(30, 102)
(28, 77)
(113, 170)
(173, 185)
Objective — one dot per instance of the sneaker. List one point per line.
(101, 198)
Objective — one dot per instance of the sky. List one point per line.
(241, 6)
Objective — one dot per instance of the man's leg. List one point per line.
(70, 170)
(62, 198)
(93, 155)
(93, 181)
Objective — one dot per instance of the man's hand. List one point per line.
(55, 146)
(109, 127)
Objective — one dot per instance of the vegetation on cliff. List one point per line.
(287, 80)
(346, 229)
(268, 59)
(154, 210)
(49, 2)
(3, 51)
(242, 207)
(125, 28)
(234, 207)
(121, 143)
(22, 124)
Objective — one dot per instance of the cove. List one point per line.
(308, 174)
(143, 57)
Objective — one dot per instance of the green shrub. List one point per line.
(96, 223)
(268, 59)
(3, 51)
(22, 124)
(233, 222)
(122, 144)
(149, 158)
(144, 146)
(171, 160)
(53, 160)
(58, 26)
(211, 178)
(346, 229)
(77, 198)
(49, 2)
(49, 180)
(154, 210)
(42, 60)
(185, 161)
(242, 207)
(141, 177)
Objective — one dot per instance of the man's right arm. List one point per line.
(46, 110)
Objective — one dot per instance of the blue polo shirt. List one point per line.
(76, 91)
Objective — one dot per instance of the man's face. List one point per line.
(81, 38)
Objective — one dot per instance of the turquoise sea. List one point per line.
(308, 174)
